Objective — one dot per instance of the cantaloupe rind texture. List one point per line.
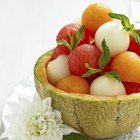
(94, 116)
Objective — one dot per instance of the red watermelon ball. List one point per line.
(65, 33)
(85, 53)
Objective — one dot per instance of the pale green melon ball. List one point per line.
(115, 36)
(107, 86)
(57, 69)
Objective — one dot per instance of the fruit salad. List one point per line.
(100, 56)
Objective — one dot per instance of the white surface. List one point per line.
(28, 87)
(135, 4)
(28, 29)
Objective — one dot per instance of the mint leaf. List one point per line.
(87, 66)
(135, 36)
(75, 136)
(127, 26)
(72, 41)
(65, 43)
(114, 74)
(90, 71)
(105, 56)
(79, 35)
(137, 31)
(124, 20)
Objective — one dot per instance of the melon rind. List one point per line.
(95, 116)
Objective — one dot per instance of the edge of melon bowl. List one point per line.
(94, 116)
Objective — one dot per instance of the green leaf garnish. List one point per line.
(79, 35)
(124, 20)
(137, 31)
(74, 39)
(90, 71)
(114, 74)
(105, 56)
(65, 43)
(75, 136)
(127, 25)
(135, 36)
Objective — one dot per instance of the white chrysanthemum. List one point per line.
(35, 120)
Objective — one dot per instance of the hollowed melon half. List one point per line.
(95, 116)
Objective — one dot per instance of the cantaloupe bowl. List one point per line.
(94, 116)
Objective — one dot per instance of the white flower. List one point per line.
(35, 120)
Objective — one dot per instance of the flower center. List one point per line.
(42, 125)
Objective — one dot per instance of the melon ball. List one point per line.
(115, 36)
(74, 84)
(107, 86)
(57, 69)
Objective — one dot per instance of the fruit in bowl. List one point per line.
(94, 79)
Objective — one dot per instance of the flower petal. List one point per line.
(67, 129)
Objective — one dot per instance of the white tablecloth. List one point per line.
(26, 89)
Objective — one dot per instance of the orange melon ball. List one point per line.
(74, 84)
(127, 65)
(95, 15)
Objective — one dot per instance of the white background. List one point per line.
(28, 28)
